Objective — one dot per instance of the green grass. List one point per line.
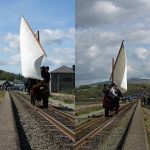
(2, 93)
(93, 94)
(67, 101)
(147, 125)
(88, 94)
(84, 122)
(92, 109)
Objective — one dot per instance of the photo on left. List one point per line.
(37, 75)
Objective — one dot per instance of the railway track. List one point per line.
(93, 123)
(81, 136)
(87, 132)
(61, 116)
(63, 124)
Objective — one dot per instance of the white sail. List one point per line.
(31, 52)
(120, 70)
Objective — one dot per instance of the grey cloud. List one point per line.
(56, 36)
(97, 13)
(97, 66)
(9, 43)
(60, 56)
(105, 45)
(3, 63)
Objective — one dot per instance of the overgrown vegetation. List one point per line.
(10, 76)
(66, 98)
(2, 93)
(71, 91)
(68, 101)
(89, 110)
(89, 93)
(147, 125)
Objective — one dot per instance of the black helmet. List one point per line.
(113, 84)
(47, 68)
(43, 67)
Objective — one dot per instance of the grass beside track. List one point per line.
(89, 110)
(147, 124)
(2, 93)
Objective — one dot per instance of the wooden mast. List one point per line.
(38, 35)
(113, 63)
(119, 53)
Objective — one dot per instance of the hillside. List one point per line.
(93, 92)
(138, 81)
(130, 81)
(10, 76)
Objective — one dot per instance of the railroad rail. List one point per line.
(61, 113)
(88, 131)
(63, 128)
(100, 119)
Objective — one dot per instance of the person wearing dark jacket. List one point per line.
(115, 95)
(47, 75)
(42, 71)
(45, 86)
(106, 100)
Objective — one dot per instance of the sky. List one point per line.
(100, 26)
(55, 19)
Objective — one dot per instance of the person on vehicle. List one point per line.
(43, 71)
(117, 99)
(113, 95)
(47, 75)
(44, 88)
(106, 100)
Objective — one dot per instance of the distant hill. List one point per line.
(138, 81)
(130, 80)
(10, 76)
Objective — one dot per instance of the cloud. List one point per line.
(100, 12)
(15, 59)
(9, 43)
(59, 46)
(56, 36)
(93, 57)
(142, 53)
(60, 56)
(95, 50)
(5, 49)
(2, 63)
(12, 40)
(140, 35)
(57, 43)
(100, 28)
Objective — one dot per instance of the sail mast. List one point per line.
(113, 63)
(119, 53)
(119, 70)
(38, 36)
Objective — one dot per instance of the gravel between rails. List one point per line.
(116, 132)
(111, 136)
(39, 134)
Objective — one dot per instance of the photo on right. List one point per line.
(112, 94)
